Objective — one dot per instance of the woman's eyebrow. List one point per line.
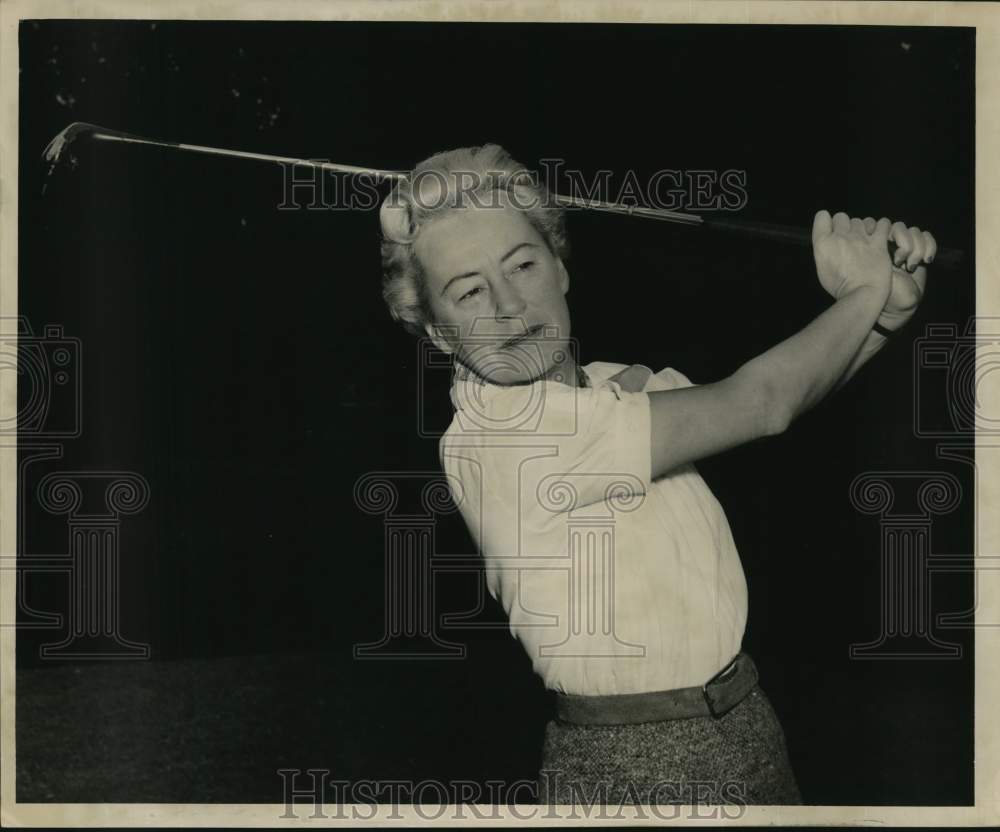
(507, 256)
(516, 249)
(457, 277)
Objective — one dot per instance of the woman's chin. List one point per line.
(506, 376)
(513, 365)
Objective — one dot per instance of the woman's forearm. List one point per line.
(869, 348)
(767, 393)
(800, 371)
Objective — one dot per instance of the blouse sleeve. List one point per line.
(671, 379)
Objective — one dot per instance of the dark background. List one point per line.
(240, 358)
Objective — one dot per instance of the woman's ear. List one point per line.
(439, 340)
(563, 275)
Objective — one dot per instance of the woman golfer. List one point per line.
(612, 559)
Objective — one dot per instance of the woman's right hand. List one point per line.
(848, 257)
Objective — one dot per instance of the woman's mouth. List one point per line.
(517, 339)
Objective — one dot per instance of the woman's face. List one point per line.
(491, 278)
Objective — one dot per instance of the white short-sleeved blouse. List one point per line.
(612, 581)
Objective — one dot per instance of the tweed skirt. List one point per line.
(739, 759)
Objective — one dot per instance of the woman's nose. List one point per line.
(509, 303)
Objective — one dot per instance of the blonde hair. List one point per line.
(443, 183)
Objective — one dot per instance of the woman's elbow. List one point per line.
(776, 417)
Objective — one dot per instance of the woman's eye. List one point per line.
(471, 293)
(522, 267)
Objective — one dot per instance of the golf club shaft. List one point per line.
(946, 257)
(258, 157)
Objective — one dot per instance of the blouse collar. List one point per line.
(466, 384)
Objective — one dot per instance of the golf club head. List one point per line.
(65, 137)
(57, 149)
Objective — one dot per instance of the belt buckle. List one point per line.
(708, 701)
(717, 714)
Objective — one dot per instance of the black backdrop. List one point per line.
(240, 358)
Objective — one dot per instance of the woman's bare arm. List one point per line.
(768, 392)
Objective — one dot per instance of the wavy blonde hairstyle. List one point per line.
(447, 182)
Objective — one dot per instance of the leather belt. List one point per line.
(716, 697)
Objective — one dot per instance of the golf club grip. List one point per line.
(948, 258)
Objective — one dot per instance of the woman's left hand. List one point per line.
(914, 248)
